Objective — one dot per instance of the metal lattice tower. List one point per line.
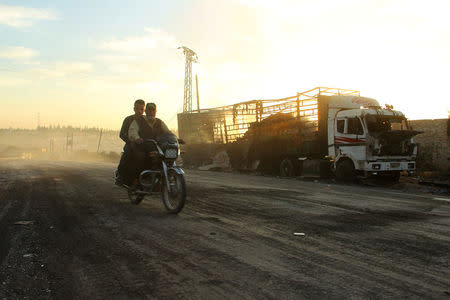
(191, 57)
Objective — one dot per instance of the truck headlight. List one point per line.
(171, 153)
(376, 166)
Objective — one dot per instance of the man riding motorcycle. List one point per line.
(144, 127)
(123, 168)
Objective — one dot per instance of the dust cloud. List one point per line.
(61, 143)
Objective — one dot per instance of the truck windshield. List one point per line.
(378, 124)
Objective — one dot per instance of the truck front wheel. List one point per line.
(393, 177)
(345, 171)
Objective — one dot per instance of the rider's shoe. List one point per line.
(119, 181)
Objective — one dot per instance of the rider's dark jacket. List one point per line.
(148, 132)
(145, 128)
(125, 126)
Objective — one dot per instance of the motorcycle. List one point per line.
(161, 175)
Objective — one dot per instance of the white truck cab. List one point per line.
(365, 139)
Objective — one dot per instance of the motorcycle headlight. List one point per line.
(171, 153)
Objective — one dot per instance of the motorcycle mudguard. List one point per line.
(178, 170)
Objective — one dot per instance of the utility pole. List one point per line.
(69, 142)
(38, 120)
(99, 140)
(191, 57)
(198, 96)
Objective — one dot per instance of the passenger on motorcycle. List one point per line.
(124, 168)
(144, 127)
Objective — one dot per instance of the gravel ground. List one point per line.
(67, 232)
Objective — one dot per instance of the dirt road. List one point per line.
(234, 239)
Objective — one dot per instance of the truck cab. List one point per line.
(371, 141)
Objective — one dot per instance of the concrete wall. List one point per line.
(434, 145)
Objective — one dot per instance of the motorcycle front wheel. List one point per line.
(174, 200)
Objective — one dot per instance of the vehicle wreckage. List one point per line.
(323, 131)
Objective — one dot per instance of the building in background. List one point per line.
(434, 145)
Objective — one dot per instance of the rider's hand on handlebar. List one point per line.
(139, 141)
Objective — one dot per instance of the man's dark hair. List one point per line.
(150, 106)
(139, 102)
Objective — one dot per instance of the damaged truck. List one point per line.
(323, 131)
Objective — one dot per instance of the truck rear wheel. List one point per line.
(287, 168)
(345, 171)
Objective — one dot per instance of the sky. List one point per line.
(83, 63)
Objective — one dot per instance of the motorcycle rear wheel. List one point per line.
(174, 201)
(134, 197)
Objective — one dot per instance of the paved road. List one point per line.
(234, 238)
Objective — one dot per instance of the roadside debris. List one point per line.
(441, 199)
(221, 161)
(299, 233)
(23, 223)
(432, 182)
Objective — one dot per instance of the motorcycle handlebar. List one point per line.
(149, 140)
(180, 141)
